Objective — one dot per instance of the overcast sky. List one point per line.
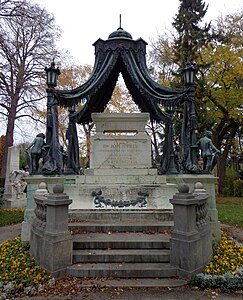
(83, 22)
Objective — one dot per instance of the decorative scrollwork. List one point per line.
(101, 202)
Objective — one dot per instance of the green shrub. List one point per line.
(230, 177)
(10, 216)
(238, 188)
(224, 282)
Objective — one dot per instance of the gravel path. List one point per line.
(9, 232)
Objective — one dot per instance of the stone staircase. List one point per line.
(121, 243)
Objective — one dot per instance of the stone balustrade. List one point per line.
(191, 243)
(50, 241)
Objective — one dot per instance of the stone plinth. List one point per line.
(113, 122)
(121, 188)
(120, 142)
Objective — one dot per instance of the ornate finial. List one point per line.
(120, 22)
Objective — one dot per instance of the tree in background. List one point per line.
(9, 8)
(224, 86)
(190, 36)
(219, 79)
(27, 45)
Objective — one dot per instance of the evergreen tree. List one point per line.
(190, 36)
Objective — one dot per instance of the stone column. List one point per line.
(191, 246)
(57, 243)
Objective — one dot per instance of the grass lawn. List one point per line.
(230, 210)
(10, 216)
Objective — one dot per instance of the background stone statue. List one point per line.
(17, 180)
(209, 152)
(37, 150)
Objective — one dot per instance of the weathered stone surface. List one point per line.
(191, 245)
(12, 197)
(209, 184)
(120, 142)
(50, 241)
(33, 187)
(122, 122)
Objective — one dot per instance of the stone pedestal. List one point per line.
(33, 182)
(50, 241)
(191, 246)
(209, 184)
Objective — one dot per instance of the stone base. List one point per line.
(29, 216)
(11, 201)
(119, 188)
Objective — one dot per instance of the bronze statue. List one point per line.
(37, 148)
(209, 152)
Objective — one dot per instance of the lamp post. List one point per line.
(53, 159)
(171, 166)
(188, 75)
(52, 74)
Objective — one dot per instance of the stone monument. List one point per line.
(120, 174)
(15, 184)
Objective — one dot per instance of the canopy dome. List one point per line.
(120, 54)
(120, 33)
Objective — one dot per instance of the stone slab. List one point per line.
(120, 151)
(122, 122)
(122, 172)
(135, 283)
(158, 195)
(120, 141)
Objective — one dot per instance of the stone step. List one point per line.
(119, 226)
(122, 270)
(133, 282)
(122, 215)
(121, 240)
(121, 255)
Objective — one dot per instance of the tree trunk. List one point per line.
(9, 138)
(87, 129)
(221, 170)
(221, 165)
(156, 150)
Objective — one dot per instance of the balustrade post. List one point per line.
(191, 244)
(57, 254)
(39, 222)
(50, 242)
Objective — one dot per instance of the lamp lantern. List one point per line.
(52, 75)
(188, 74)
